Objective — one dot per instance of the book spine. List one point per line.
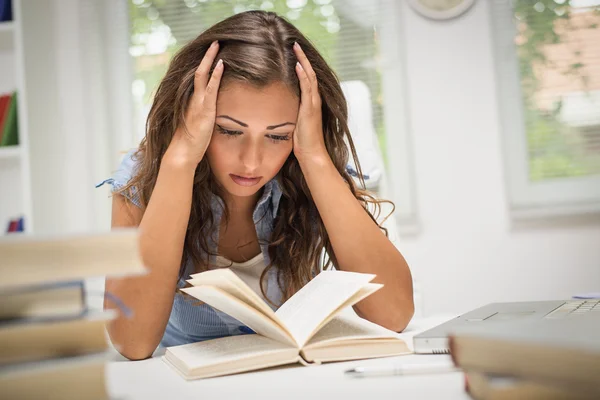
(5, 10)
(12, 226)
(21, 225)
(10, 129)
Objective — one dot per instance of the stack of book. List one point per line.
(51, 345)
(550, 361)
(9, 129)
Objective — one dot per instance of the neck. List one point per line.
(241, 206)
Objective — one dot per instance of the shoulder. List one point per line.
(123, 175)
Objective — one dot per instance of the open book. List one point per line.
(307, 328)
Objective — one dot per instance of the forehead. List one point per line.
(271, 104)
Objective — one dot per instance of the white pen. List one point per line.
(401, 369)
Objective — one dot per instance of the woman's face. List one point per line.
(253, 135)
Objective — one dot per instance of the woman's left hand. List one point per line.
(308, 135)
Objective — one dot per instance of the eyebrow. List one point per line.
(270, 127)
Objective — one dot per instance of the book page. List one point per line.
(364, 292)
(229, 355)
(349, 337)
(349, 327)
(241, 311)
(317, 300)
(228, 281)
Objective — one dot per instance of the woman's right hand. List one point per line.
(189, 146)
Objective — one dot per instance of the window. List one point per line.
(548, 69)
(358, 39)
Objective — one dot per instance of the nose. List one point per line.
(251, 156)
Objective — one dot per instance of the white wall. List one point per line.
(468, 252)
(76, 121)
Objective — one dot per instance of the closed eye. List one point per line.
(278, 137)
(234, 133)
(228, 132)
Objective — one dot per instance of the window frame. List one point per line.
(548, 198)
(399, 146)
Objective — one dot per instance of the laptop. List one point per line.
(562, 312)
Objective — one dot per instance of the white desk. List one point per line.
(153, 379)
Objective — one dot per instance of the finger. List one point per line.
(201, 74)
(312, 76)
(305, 87)
(305, 64)
(209, 102)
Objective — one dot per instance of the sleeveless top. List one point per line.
(248, 271)
(189, 322)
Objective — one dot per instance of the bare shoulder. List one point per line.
(125, 213)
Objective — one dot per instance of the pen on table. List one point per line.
(402, 369)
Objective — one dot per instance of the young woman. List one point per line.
(244, 166)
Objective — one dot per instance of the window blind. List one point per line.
(345, 32)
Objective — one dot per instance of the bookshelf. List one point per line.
(15, 189)
(68, 60)
(6, 35)
(10, 153)
(6, 26)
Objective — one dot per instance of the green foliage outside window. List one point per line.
(556, 150)
(319, 20)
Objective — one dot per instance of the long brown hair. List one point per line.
(256, 47)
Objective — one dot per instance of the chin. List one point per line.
(243, 191)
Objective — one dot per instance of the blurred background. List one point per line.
(479, 119)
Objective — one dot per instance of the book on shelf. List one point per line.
(21, 224)
(549, 353)
(4, 103)
(482, 386)
(12, 227)
(16, 225)
(10, 125)
(308, 328)
(5, 10)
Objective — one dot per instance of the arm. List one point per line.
(163, 225)
(162, 230)
(358, 243)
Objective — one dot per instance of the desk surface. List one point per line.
(154, 379)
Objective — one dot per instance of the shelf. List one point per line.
(6, 35)
(10, 153)
(6, 26)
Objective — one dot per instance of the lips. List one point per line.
(245, 181)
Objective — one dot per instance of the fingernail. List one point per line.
(299, 65)
(214, 43)
(296, 45)
(219, 63)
